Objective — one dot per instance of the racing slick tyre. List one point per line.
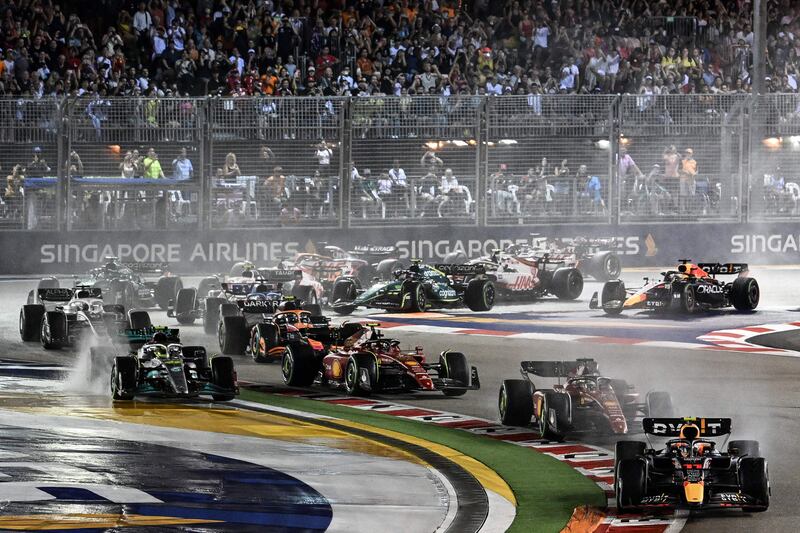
(745, 294)
(630, 478)
(184, 306)
(347, 330)
(197, 354)
(206, 285)
(263, 338)
(299, 365)
(123, 293)
(50, 282)
(628, 449)
(613, 291)
(223, 376)
(344, 290)
(418, 299)
(166, 290)
(233, 335)
(455, 258)
(554, 409)
(356, 365)
(305, 294)
(659, 405)
(749, 448)
(30, 321)
(515, 402)
(228, 309)
(139, 320)
(754, 482)
(605, 266)
(480, 295)
(454, 366)
(31, 297)
(123, 378)
(387, 267)
(211, 316)
(54, 330)
(567, 283)
(688, 301)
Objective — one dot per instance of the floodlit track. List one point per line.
(760, 391)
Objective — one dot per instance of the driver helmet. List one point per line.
(159, 338)
(81, 306)
(703, 448)
(83, 294)
(174, 350)
(111, 265)
(681, 449)
(262, 288)
(155, 350)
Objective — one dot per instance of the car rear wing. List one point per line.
(257, 307)
(55, 295)
(87, 291)
(143, 267)
(143, 335)
(560, 369)
(450, 269)
(279, 274)
(715, 269)
(374, 251)
(671, 427)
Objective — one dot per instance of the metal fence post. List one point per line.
(481, 164)
(345, 164)
(205, 174)
(62, 135)
(615, 187)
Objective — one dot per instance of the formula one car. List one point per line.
(690, 471)
(363, 263)
(585, 402)
(418, 288)
(266, 324)
(516, 276)
(688, 289)
(368, 363)
(63, 317)
(206, 302)
(597, 258)
(134, 285)
(173, 371)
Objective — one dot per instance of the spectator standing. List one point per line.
(182, 168)
(230, 170)
(13, 193)
(672, 161)
(400, 188)
(152, 166)
(628, 173)
(128, 166)
(274, 193)
(38, 167)
(687, 181)
(454, 193)
(430, 162)
(73, 165)
(428, 194)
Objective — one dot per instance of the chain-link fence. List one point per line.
(275, 161)
(133, 163)
(29, 155)
(152, 163)
(414, 159)
(548, 159)
(774, 157)
(680, 157)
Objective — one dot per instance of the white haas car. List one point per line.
(62, 317)
(531, 277)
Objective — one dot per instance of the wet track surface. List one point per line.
(760, 392)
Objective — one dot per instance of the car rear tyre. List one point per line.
(749, 448)
(30, 322)
(299, 365)
(480, 295)
(206, 285)
(754, 482)
(745, 294)
(184, 306)
(557, 403)
(233, 335)
(50, 282)
(344, 290)
(613, 291)
(608, 266)
(387, 267)
(211, 315)
(567, 283)
(629, 483)
(688, 300)
(139, 320)
(53, 334)
(419, 300)
(628, 449)
(223, 376)
(166, 290)
(659, 405)
(515, 402)
(454, 365)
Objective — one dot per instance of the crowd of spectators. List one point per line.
(392, 47)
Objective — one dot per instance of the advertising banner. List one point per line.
(214, 251)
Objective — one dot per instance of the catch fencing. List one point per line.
(94, 163)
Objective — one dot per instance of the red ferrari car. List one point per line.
(367, 362)
(586, 401)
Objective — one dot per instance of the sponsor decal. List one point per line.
(650, 246)
(336, 369)
(709, 289)
(655, 500)
(732, 497)
(760, 243)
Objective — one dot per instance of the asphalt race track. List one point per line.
(761, 392)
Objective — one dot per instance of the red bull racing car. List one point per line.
(690, 471)
(689, 288)
(586, 401)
